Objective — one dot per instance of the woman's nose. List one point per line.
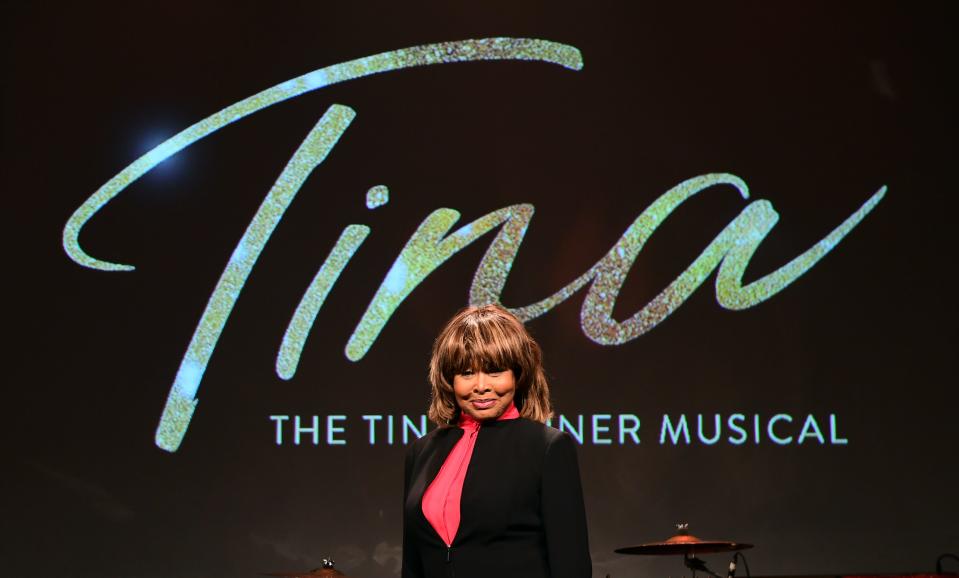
(482, 382)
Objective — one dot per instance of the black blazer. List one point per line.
(521, 514)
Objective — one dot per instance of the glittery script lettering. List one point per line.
(432, 243)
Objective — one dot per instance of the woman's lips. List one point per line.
(483, 403)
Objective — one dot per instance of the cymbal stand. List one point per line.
(697, 564)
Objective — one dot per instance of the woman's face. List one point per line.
(484, 396)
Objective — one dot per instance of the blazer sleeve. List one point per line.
(412, 565)
(564, 515)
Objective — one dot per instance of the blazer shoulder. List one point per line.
(553, 434)
(547, 435)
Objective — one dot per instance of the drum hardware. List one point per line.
(689, 546)
(325, 571)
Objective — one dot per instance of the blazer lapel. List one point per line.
(434, 461)
(434, 458)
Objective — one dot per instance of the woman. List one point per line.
(493, 491)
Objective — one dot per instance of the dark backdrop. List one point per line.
(815, 105)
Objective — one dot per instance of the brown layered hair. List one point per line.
(488, 339)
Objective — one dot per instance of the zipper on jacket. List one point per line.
(450, 569)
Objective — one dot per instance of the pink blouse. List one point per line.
(441, 501)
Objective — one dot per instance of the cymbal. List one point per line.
(683, 543)
(326, 571)
(315, 573)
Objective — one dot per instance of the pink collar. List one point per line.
(468, 422)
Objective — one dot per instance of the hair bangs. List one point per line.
(485, 347)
